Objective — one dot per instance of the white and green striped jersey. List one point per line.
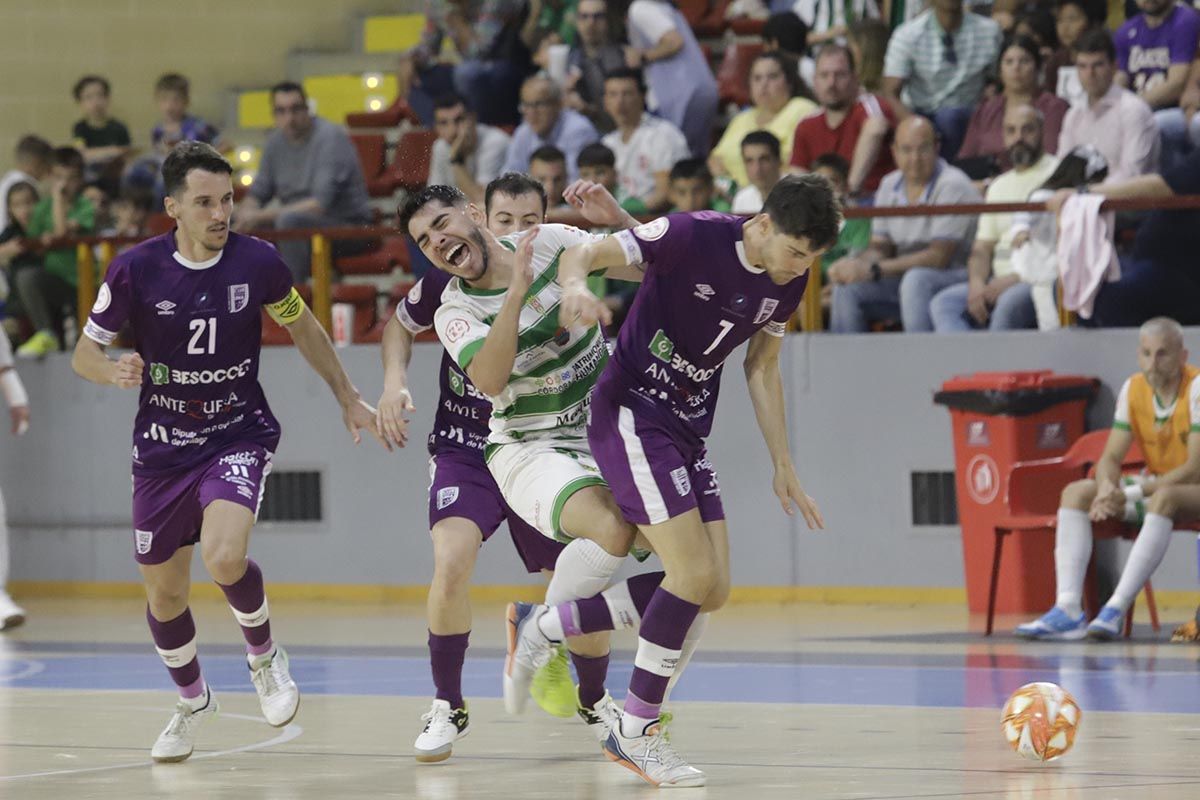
(550, 386)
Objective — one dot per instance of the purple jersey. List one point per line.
(1146, 53)
(198, 327)
(699, 300)
(463, 411)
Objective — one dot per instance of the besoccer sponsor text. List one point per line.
(161, 374)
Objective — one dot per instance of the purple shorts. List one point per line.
(168, 511)
(655, 472)
(460, 485)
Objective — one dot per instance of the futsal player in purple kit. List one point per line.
(711, 282)
(204, 435)
(465, 504)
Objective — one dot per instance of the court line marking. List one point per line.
(32, 667)
(289, 733)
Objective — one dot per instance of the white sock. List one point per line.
(685, 654)
(583, 569)
(1147, 553)
(1072, 552)
(550, 624)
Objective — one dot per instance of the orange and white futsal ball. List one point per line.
(1040, 721)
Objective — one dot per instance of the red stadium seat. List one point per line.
(372, 153)
(389, 117)
(744, 26)
(733, 76)
(158, 224)
(713, 23)
(410, 164)
(362, 297)
(389, 253)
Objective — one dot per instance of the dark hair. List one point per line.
(627, 74)
(513, 184)
(437, 193)
(137, 197)
(1097, 40)
(67, 157)
(187, 156)
(691, 169)
(548, 153)
(835, 162)
(1026, 44)
(788, 31)
(596, 154)
(833, 48)
(19, 186)
(1041, 22)
(32, 146)
(287, 87)
(87, 80)
(871, 38)
(172, 82)
(450, 100)
(1096, 11)
(787, 65)
(1081, 166)
(764, 138)
(804, 206)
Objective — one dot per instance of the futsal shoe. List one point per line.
(277, 692)
(528, 651)
(552, 688)
(443, 727)
(600, 718)
(178, 739)
(1055, 625)
(1107, 624)
(11, 614)
(651, 757)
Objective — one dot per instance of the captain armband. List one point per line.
(289, 309)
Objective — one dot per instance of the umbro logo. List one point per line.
(703, 291)
(165, 309)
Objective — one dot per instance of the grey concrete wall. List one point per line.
(860, 415)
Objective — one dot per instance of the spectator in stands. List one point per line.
(466, 154)
(645, 146)
(856, 231)
(130, 212)
(692, 187)
(593, 56)
(868, 40)
(982, 151)
(547, 123)
(598, 164)
(99, 198)
(34, 157)
(172, 95)
(852, 124)
(555, 17)
(786, 33)
(104, 141)
(46, 293)
(1072, 19)
(513, 202)
(940, 62)
(830, 20)
(310, 167)
(994, 296)
(1113, 119)
(682, 86)
(776, 107)
(1155, 50)
(493, 59)
(15, 247)
(762, 161)
(548, 166)
(910, 259)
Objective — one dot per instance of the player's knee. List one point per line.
(614, 535)
(700, 575)
(1079, 495)
(226, 564)
(1164, 502)
(718, 596)
(166, 602)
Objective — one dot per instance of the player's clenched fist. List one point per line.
(129, 371)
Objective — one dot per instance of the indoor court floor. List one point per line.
(800, 701)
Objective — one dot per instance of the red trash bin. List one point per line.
(999, 419)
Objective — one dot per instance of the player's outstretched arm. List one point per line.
(91, 363)
(396, 401)
(766, 393)
(491, 367)
(313, 343)
(578, 305)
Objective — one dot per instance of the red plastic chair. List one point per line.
(410, 165)
(389, 117)
(733, 76)
(372, 153)
(389, 253)
(1034, 492)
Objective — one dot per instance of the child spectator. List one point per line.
(14, 245)
(130, 211)
(33, 157)
(104, 141)
(175, 125)
(598, 164)
(98, 196)
(856, 233)
(691, 187)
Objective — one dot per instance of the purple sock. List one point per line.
(665, 625)
(175, 641)
(249, 603)
(446, 656)
(594, 614)
(591, 672)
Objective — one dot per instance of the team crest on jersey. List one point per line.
(446, 497)
(457, 329)
(414, 294)
(144, 540)
(103, 299)
(536, 305)
(653, 230)
(239, 297)
(766, 310)
(683, 484)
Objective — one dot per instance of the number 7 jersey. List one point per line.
(700, 298)
(199, 329)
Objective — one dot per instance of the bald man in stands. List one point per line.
(1159, 408)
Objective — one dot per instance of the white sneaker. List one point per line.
(528, 651)
(652, 758)
(178, 739)
(11, 614)
(601, 718)
(443, 727)
(277, 692)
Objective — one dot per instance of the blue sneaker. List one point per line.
(1055, 624)
(1107, 625)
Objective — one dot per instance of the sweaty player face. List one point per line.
(451, 239)
(202, 209)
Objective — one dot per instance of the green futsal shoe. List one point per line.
(552, 688)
